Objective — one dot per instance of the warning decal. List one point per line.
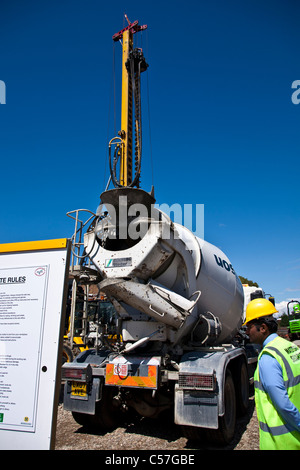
(137, 372)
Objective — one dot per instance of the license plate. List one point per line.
(79, 390)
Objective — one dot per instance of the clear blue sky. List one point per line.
(224, 130)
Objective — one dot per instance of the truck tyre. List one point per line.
(81, 418)
(242, 390)
(193, 433)
(224, 434)
(106, 416)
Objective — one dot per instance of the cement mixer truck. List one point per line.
(174, 343)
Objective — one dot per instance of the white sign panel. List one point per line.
(32, 289)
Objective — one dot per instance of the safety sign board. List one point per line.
(33, 286)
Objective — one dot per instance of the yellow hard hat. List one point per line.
(259, 308)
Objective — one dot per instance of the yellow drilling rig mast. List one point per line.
(133, 64)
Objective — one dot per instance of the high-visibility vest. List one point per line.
(274, 432)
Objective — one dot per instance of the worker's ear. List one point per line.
(264, 328)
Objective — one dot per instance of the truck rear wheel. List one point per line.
(242, 390)
(106, 416)
(193, 433)
(225, 433)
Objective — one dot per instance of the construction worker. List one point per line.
(276, 380)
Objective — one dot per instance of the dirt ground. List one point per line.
(147, 434)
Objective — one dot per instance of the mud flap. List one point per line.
(86, 405)
(200, 401)
(196, 408)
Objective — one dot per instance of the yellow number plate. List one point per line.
(79, 389)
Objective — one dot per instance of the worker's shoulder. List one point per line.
(280, 349)
(278, 343)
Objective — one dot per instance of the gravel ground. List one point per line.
(147, 434)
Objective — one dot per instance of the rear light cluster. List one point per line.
(80, 372)
(197, 381)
